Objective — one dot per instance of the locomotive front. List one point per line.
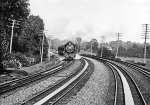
(68, 50)
(70, 47)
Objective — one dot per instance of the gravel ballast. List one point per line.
(27, 92)
(95, 90)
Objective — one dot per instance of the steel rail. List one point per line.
(136, 86)
(129, 78)
(141, 69)
(31, 78)
(54, 90)
(116, 84)
(89, 68)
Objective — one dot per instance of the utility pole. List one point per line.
(42, 48)
(12, 32)
(102, 46)
(49, 37)
(91, 46)
(118, 38)
(146, 30)
(49, 48)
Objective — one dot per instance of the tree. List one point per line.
(14, 9)
(86, 46)
(11, 9)
(122, 51)
(78, 39)
(94, 45)
(32, 34)
(136, 51)
(106, 52)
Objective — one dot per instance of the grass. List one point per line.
(131, 59)
(136, 60)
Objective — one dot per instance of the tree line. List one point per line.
(27, 34)
(131, 49)
(126, 49)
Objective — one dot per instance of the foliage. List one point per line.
(16, 57)
(122, 51)
(78, 39)
(86, 46)
(31, 37)
(106, 52)
(11, 64)
(130, 49)
(11, 9)
(94, 44)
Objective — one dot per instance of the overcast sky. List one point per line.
(93, 18)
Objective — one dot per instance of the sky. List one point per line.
(67, 19)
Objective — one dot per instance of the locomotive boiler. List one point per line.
(68, 50)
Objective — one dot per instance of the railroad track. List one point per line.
(142, 70)
(144, 77)
(128, 90)
(8, 86)
(56, 92)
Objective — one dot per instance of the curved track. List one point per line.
(5, 87)
(131, 94)
(54, 93)
(141, 69)
(128, 90)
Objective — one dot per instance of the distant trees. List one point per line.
(126, 49)
(94, 45)
(86, 46)
(130, 49)
(78, 39)
(106, 52)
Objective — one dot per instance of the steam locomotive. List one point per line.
(68, 50)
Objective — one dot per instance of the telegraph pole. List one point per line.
(102, 50)
(91, 46)
(118, 38)
(12, 32)
(146, 30)
(42, 48)
(102, 46)
(49, 48)
(49, 37)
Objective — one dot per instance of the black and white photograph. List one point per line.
(74, 52)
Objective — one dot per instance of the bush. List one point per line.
(15, 59)
(11, 64)
(37, 59)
